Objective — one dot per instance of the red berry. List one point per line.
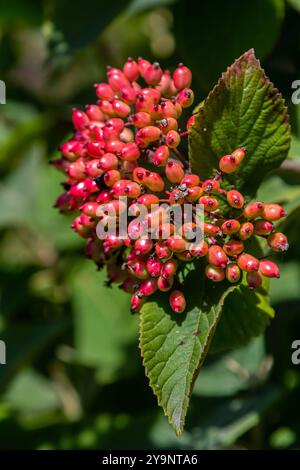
(278, 242)
(230, 226)
(235, 199)
(141, 119)
(176, 243)
(174, 172)
(104, 92)
(239, 155)
(199, 250)
(169, 268)
(254, 279)
(172, 139)
(217, 256)
(148, 287)
(246, 231)
(182, 77)
(165, 284)
(80, 119)
(177, 301)
(142, 246)
(233, 247)
(162, 251)
(228, 164)
(248, 263)
(154, 266)
(263, 227)
(210, 185)
(138, 269)
(191, 180)
(131, 70)
(214, 273)
(269, 268)
(233, 272)
(253, 210)
(211, 229)
(210, 203)
(130, 152)
(273, 212)
(194, 193)
(153, 74)
(161, 155)
(185, 97)
(137, 300)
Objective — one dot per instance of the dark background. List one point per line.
(73, 378)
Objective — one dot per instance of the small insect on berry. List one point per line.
(278, 242)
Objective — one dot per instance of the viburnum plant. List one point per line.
(128, 154)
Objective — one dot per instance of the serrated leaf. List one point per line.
(174, 346)
(246, 313)
(243, 110)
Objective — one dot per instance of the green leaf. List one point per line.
(221, 31)
(174, 346)
(246, 313)
(236, 370)
(243, 110)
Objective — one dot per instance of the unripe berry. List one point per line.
(185, 97)
(153, 74)
(161, 155)
(174, 172)
(210, 185)
(233, 272)
(182, 77)
(148, 287)
(126, 135)
(246, 231)
(142, 246)
(230, 226)
(216, 256)
(210, 203)
(153, 181)
(263, 227)
(214, 273)
(248, 263)
(199, 250)
(233, 247)
(253, 210)
(172, 139)
(164, 285)
(191, 180)
(273, 212)
(235, 199)
(254, 279)
(131, 70)
(278, 242)
(168, 124)
(269, 268)
(177, 301)
(168, 110)
(137, 300)
(194, 193)
(154, 266)
(111, 177)
(239, 155)
(169, 269)
(148, 200)
(228, 164)
(104, 92)
(141, 119)
(184, 256)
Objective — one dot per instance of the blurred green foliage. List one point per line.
(73, 378)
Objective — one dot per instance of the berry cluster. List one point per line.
(126, 146)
